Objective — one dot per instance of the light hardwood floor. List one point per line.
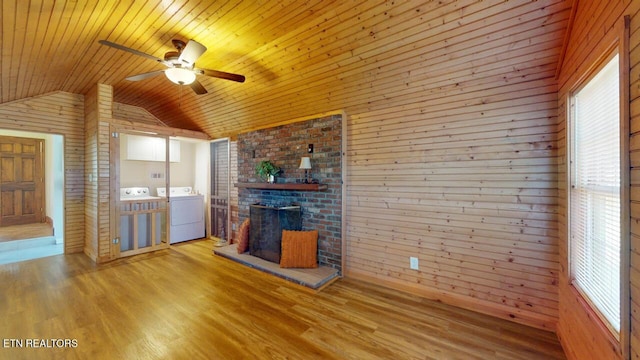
(186, 303)
(28, 231)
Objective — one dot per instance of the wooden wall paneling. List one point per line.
(364, 51)
(282, 18)
(580, 334)
(135, 114)
(410, 50)
(85, 15)
(586, 19)
(123, 17)
(98, 208)
(28, 25)
(113, 17)
(104, 242)
(88, 19)
(58, 113)
(435, 71)
(91, 170)
(473, 197)
(304, 42)
(115, 207)
(268, 73)
(117, 15)
(7, 28)
(105, 191)
(421, 222)
(634, 339)
(35, 55)
(479, 270)
(391, 64)
(634, 147)
(129, 20)
(567, 36)
(49, 50)
(589, 22)
(133, 125)
(243, 18)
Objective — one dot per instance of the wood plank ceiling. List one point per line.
(300, 58)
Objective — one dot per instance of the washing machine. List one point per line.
(186, 215)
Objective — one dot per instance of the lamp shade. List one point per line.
(305, 163)
(180, 76)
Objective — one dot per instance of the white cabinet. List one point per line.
(141, 147)
(148, 148)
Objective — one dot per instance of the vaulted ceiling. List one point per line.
(300, 58)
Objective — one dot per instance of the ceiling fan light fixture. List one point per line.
(180, 76)
(180, 65)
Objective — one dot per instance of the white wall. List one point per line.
(202, 173)
(183, 173)
(202, 183)
(140, 173)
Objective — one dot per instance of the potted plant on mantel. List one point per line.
(267, 171)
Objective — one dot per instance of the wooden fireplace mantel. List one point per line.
(282, 186)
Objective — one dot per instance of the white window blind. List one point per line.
(595, 194)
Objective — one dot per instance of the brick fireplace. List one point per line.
(284, 145)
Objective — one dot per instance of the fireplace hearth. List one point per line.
(266, 225)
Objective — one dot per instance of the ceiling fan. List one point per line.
(180, 65)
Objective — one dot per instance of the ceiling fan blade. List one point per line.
(220, 74)
(191, 52)
(124, 48)
(198, 88)
(144, 76)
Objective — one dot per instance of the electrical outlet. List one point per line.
(413, 263)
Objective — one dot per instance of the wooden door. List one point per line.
(21, 181)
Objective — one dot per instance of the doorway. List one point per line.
(140, 162)
(32, 195)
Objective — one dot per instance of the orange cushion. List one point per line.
(243, 237)
(299, 249)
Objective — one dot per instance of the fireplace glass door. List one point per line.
(266, 225)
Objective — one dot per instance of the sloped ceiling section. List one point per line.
(300, 58)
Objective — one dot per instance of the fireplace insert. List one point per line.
(266, 225)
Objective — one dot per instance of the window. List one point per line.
(595, 193)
